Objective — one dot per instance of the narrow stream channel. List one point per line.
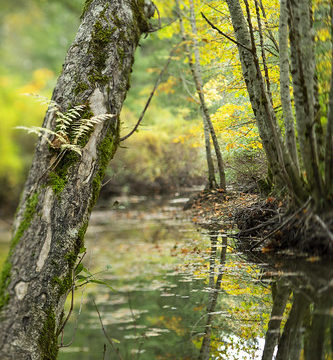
(182, 292)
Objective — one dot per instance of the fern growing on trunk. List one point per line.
(71, 127)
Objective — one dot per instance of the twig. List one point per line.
(225, 35)
(291, 217)
(159, 17)
(61, 330)
(67, 317)
(104, 352)
(258, 226)
(271, 35)
(106, 334)
(157, 82)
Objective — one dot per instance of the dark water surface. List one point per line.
(182, 292)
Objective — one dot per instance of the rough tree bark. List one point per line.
(303, 76)
(54, 211)
(288, 117)
(281, 164)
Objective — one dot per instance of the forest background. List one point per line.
(167, 152)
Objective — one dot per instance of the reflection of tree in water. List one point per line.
(308, 332)
(300, 325)
(214, 288)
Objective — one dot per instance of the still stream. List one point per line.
(182, 292)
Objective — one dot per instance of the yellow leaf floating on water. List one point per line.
(313, 259)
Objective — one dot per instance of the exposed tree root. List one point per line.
(264, 225)
(271, 227)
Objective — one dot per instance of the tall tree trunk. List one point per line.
(303, 75)
(283, 168)
(329, 131)
(53, 215)
(210, 164)
(196, 71)
(288, 117)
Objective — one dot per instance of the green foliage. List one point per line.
(15, 148)
(247, 169)
(163, 163)
(52, 26)
(83, 276)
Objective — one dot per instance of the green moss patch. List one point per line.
(58, 177)
(141, 18)
(48, 340)
(81, 87)
(85, 8)
(25, 223)
(106, 150)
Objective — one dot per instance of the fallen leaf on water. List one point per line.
(313, 259)
(266, 249)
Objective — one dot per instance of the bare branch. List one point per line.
(106, 334)
(157, 82)
(225, 35)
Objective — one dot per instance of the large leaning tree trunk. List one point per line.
(57, 201)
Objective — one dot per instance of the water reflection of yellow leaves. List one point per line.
(199, 308)
(173, 323)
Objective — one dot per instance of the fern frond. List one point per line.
(53, 105)
(71, 147)
(35, 131)
(65, 120)
(102, 117)
(43, 132)
(83, 126)
(69, 125)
